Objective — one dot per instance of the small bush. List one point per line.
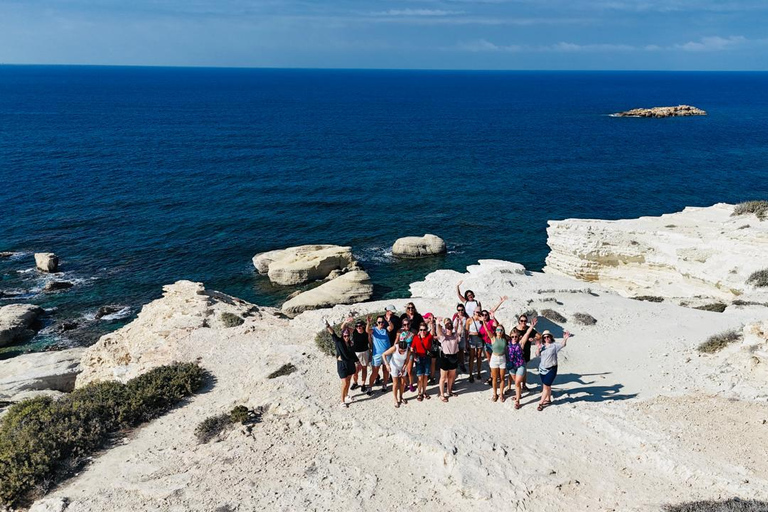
(231, 319)
(759, 208)
(759, 278)
(739, 302)
(323, 338)
(718, 342)
(43, 440)
(584, 319)
(554, 316)
(649, 298)
(213, 426)
(239, 414)
(731, 505)
(286, 369)
(717, 307)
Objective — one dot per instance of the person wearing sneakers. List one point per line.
(380, 344)
(399, 357)
(345, 361)
(361, 337)
(548, 364)
(421, 347)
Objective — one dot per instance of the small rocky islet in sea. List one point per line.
(678, 111)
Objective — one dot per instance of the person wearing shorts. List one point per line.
(449, 358)
(379, 345)
(521, 328)
(421, 347)
(345, 361)
(475, 341)
(459, 321)
(498, 362)
(516, 360)
(399, 355)
(548, 364)
(361, 345)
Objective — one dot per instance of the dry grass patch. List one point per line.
(759, 278)
(731, 505)
(717, 342)
(649, 298)
(584, 319)
(552, 315)
(286, 369)
(214, 426)
(717, 307)
(759, 208)
(231, 319)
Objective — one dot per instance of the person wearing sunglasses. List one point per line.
(487, 329)
(345, 361)
(515, 359)
(361, 337)
(405, 335)
(449, 357)
(521, 328)
(547, 353)
(468, 299)
(421, 349)
(380, 344)
(472, 327)
(459, 320)
(498, 362)
(413, 316)
(399, 357)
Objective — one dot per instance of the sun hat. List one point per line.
(391, 307)
(546, 333)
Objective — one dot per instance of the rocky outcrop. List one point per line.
(18, 323)
(418, 246)
(678, 111)
(348, 288)
(699, 253)
(155, 337)
(302, 264)
(40, 371)
(6, 254)
(46, 261)
(54, 286)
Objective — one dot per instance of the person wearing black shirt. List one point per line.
(345, 361)
(361, 346)
(522, 328)
(412, 315)
(391, 316)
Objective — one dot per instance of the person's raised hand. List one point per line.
(349, 319)
(460, 282)
(503, 298)
(534, 321)
(566, 335)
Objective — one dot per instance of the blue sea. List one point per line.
(138, 177)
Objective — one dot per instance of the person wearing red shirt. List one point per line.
(420, 350)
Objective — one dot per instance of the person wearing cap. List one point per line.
(361, 337)
(421, 348)
(380, 343)
(547, 353)
(345, 361)
(449, 358)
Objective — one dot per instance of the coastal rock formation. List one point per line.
(156, 336)
(18, 323)
(696, 254)
(418, 246)
(678, 111)
(348, 288)
(39, 371)
(46, 261)
(6, 254)
(54, 286)
(302, 264)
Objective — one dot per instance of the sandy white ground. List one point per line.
(640, 419)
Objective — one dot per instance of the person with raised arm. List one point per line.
(361, 338)
(406, 335)
(472, 327)
(421, 348)
(516, 360)
(459, 321)
(488, 328)
(468, 299)
(345, 361)
(498, 362)
(380, 344)
(449, 356)
(521, 328)
(399, 357)
(547, 353)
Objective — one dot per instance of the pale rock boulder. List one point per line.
(40, 371)
(18, 323)
(703, 253)
(676, 111)
(418, 246)
(46, 261)
(302, 264)
(157, 337)
(349, 288)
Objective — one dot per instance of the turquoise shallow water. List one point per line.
(138, 177)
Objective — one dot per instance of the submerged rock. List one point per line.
(302, 264)
(18, 323)
(348, 288)
(418, 246)
(678, 111)
(6, 254)
(46, 261)
(66, 326)
(54, 286)
(110, 309)
(40, 371)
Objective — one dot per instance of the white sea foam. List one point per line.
(118, 315)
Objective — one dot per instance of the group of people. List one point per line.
(409, 350)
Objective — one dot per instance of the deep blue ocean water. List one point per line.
(137, 177)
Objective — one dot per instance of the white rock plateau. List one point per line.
(348, 288)
(302, 264)
(46, 261)
(702, 253)
(17, 322)
(39, 371)
(418, 246)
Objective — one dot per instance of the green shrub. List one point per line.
(649, 298)
(43, 440)
(239, 414)
(719, 341)
(213, 426)
(286, 369)
(730, 505)
(759, 208)
(717, 307)
(584, 319)
(323, 338)
(552, 315)
(759, 278)
(231, 319)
